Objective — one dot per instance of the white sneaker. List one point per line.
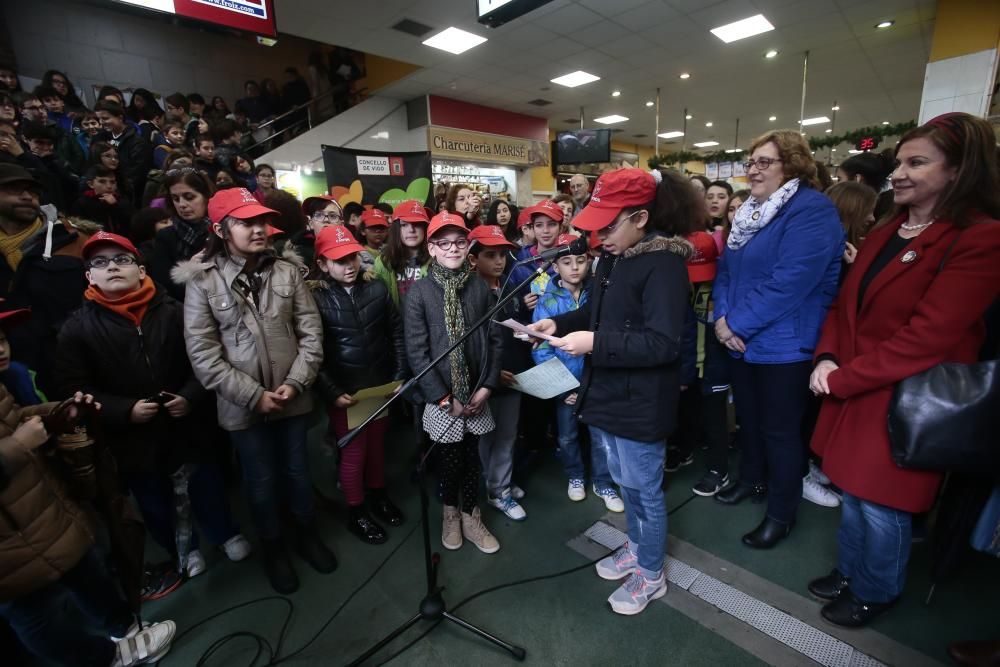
(637, 592)
(815, 492)
(621, 563)
(196, 564)
(132, 631)
(148, 645)
(576, 490)
(506, 504)
(237, 548)
(516, 491)
(818, 474)
(611, 499)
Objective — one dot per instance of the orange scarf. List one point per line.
(132, 306)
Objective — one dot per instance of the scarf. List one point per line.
(754, 216)
(11, 245)
(454, 321)
(191, 235)
(132, 306)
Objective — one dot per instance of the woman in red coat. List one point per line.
(914, 298)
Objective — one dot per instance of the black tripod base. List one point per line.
(433, 608)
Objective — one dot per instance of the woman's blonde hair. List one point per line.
(855, 202)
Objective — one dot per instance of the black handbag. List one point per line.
(948, 417)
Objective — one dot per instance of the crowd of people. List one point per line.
(191, 310)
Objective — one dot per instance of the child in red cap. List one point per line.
(490, 252)
(362, 347)
(255, 338)
(404, 258)
(439, 308)
(126, 344)
(546, 222)
(374, 229)
(631, 329)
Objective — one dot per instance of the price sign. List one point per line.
(867, 144)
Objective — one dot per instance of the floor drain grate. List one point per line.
(804, 638)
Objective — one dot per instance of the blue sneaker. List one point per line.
(611, 499)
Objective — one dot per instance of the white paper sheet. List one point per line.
(523, 330)
(546, 380)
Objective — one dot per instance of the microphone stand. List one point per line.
(432, 606)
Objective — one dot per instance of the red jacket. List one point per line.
(913, 317)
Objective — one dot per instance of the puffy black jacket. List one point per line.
(363, 342)
(169, 249)
(104, 354)
(631, 381)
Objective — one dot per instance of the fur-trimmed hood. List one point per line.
(185, 271)
(657, 243)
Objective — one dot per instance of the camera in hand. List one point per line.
(160, 399)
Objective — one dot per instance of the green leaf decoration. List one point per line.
(418, 189)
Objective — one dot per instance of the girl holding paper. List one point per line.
(362, 347)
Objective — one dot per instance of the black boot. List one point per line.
(278, 567)
(384, 508)
(739, 491)
(851, 611)
(767, 534)
(314, 552)
(362, 525)
(830, 586)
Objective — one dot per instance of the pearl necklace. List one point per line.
(917, 228)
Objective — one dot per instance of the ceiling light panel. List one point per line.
(818, 120)
(706, 144)
(748, 27)
(609, 120)
(454, 40)
(574, 79)
(670, 135)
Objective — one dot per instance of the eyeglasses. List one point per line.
(613, 227)
(119, 260)
(320, 216)
(33, 107)
(762, 163)
(447, 245)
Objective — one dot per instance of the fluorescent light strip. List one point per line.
(748, 27)
(609, 120)
(818, 120)
(454, 40)
(734, 150)
(574, 79)
(706, 144)
(670, 135)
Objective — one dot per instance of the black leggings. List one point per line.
(459, 468)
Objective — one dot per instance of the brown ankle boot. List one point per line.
(475, 531)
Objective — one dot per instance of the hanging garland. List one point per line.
(815, 143)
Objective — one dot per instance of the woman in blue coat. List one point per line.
(776, 280)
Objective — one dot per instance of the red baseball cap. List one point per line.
(703, 264)
(274, 231)
(237, 202)
(524, 217)
(373, 217)
(547, 208)
(336, 242)
(445, 219)
(308, 201)
(9, 318)
(107, 238)
(489, 235)
(410, 211)
(595, 242)
(614, 191)
(566, 239)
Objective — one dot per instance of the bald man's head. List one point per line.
(579, 187)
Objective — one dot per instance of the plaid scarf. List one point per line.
(454, 321)
(191, 235)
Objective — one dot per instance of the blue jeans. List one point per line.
(154, 494)
(570, 454)
(41, 623)
(874, 548)
(637, 467)
(266, 451)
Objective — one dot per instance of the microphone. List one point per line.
(578, 247)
